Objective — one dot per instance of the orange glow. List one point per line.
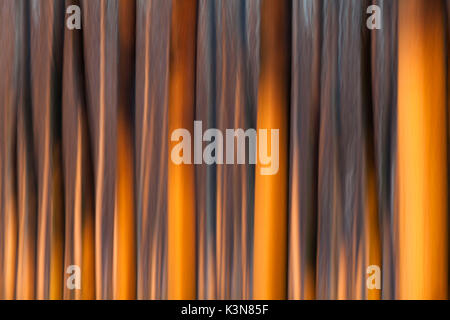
(422, 151)
(125, 220)
(181, 186)
(271, 197)
(125, 263)
(372, 229)
(10, 248)
(26, 254)
(57, 235)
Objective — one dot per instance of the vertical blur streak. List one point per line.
(26, 180)
(125, 220)
(227, 70)
(448, 140)
(11, 40)
(100, 36)
(342, 166)
(251, 66)
(271, 194)
(371, 228)
(181, 184)
(422, 151)
(205, 175)
(384, 95)
(353, 109)
(79, 209)
(304, 148)
(236, 104)
(46, 61)
(152, 73)
(328, 201)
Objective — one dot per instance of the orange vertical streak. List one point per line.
(342, 280)
(84, 208)
(294, 238)
(87, 276)
(9, 207)
(10, 240)
(45, 61)
(26, 208)
(88, 255)
(10, 255)
(372, 228)
(57, 236)
(10, 58)
(78, 187)
(88, 218)
(100, 290)
(270, 255)
(181, 193)
(422, 151)
(125, 222)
